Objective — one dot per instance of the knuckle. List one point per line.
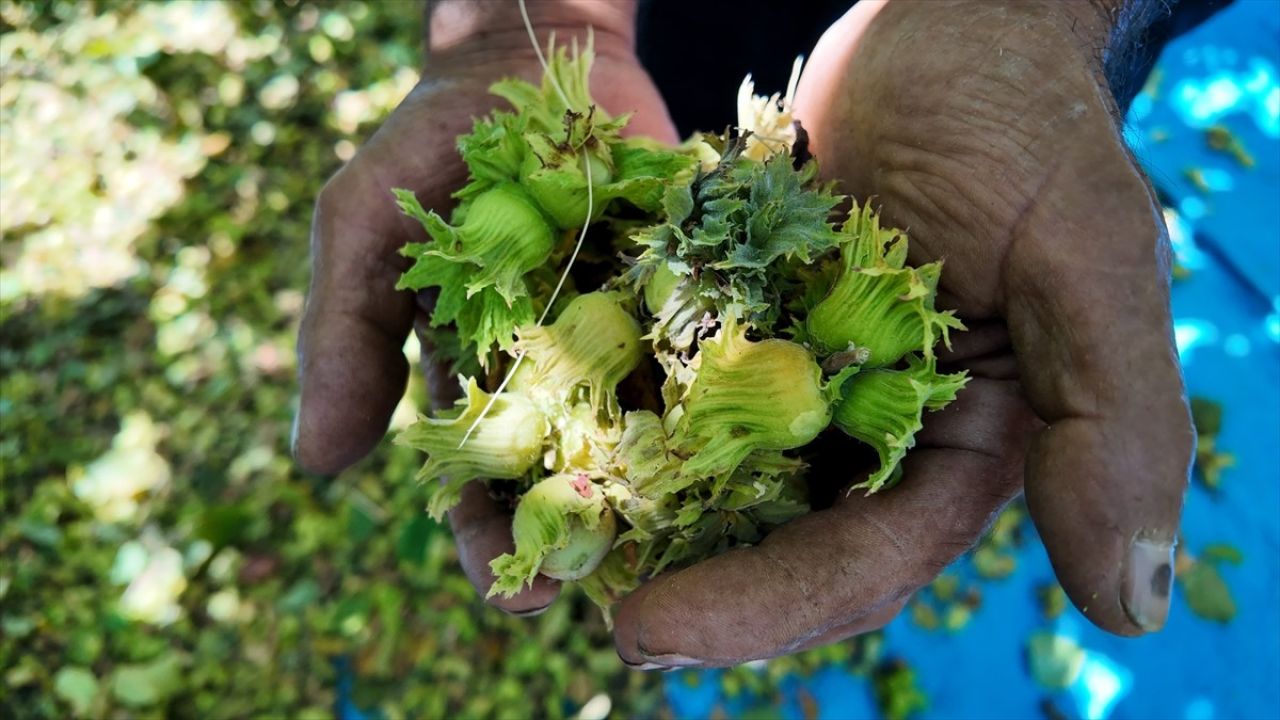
(333, 195)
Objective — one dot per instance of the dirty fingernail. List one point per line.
(1147, 583)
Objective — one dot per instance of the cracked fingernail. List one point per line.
(1146, 583)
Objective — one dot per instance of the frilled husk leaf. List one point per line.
(494, 151)
(562, 528)
(481, 268)
(595, 343)
(542, 106)
(878, 304)
(884, 409)
(613, 579)
(555, 171)
(504, 446)
(504, 235)
(749, 396)
(733, 229)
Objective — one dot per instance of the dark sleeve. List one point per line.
(1128, 67)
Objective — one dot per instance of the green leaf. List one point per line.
(738, 230)
(41, 533)
(991, 563)
(1206, 415)
(1222, 552)
(1207, 593)
(493, 151)
(360, 525)
(1055, 660)
(17, 626)
(641, 158)
(1053, 600)
(411, 544)
(504, 445)
(303, 593)
(409, 205)
(486, 320)
(77, 686)
(783, 218)
(224, 525)
(147, 684)
(643, 173)
(481, 267)
(897, 692)
(677, 203)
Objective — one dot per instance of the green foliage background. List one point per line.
(159, 164)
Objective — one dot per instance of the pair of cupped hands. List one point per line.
(986, 130)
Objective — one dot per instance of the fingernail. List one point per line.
(672, 661)
(1145, 594)
(528, 613)
(644, 666)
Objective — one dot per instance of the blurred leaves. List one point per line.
(1055, 660)
(78, 687)
(1210, 461)
(1206, 592)
(896, 691)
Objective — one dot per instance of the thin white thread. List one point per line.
(582, 236)
(546, 70)
(586, 163)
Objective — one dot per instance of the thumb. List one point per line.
(1086, 297)
(351, 367)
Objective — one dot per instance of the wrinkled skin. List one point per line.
(987, 132)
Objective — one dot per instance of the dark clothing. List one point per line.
(698, 51)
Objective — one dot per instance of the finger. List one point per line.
(838, 566)
(983, 349)
(351, 368)
(1087, 301)
(981, 338)
(874, 620)
(482, 530)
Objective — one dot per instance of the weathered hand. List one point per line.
(352, 370)
(988, 131)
